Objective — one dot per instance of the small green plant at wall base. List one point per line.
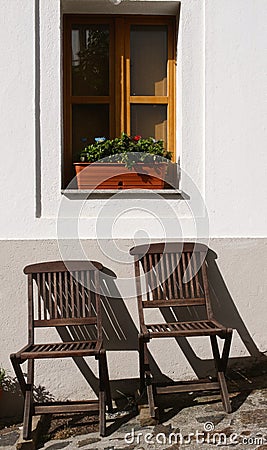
(125, 149)
(2, 376)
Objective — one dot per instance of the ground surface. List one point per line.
(187, 422)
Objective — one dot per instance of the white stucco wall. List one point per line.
(235, 117)
(220, 103)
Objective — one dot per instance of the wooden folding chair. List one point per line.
(174, 276)
(63, 295)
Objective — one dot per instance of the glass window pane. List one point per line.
(149, 55)
(88, 122)
(90, 60)
(149, 121)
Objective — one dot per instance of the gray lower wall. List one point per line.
(238, 279)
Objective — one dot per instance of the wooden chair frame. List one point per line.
(63, 294)
(164, 266)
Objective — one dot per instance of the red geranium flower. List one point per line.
(137, 138)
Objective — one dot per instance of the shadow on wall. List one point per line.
(225, 308)
(120, 333)
(226, 313)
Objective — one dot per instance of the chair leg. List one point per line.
(18, 372)
(220, 365)
(103, 362)
(28, 402)
(141, 347)
(102, 399)
(226, 350)
(224, 393)
(145, 374)
(150, 395)
(143, 361)
(102, 414)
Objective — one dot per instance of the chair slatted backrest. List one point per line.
(175, 275)
(64, 294)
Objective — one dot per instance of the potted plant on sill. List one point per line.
(122, 163)
(2, 378)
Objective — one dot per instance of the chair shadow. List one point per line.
(226, 313)
(120, 333)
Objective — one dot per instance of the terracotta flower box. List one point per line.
(117, 176)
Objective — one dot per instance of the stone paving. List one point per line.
(187, 421)
(204, 425)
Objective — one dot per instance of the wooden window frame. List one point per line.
(119, 98)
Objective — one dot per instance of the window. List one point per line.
(119, 75)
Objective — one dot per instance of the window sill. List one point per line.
(76, 194)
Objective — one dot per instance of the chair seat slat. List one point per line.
(195, 327)
(60, 347)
